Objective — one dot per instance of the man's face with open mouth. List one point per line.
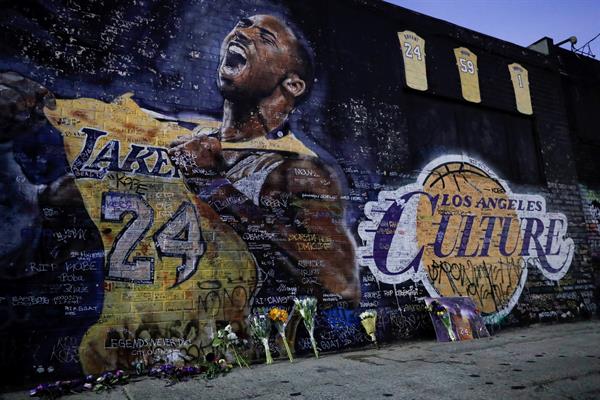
(255, 58)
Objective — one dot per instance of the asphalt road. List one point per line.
(559, 361)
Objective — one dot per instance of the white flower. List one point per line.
(232, 336)
(368, 314)
(228, 328)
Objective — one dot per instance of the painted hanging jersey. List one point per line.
(466, 61)
(413, 54)
(520, 80)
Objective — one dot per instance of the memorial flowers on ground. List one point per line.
(260, 328)
(368, 319)
(308, 310)
(104, 381)
(279, 317)
(228, 341)
(211, 368)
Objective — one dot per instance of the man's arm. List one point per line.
(319, 237)
(21, 201)
(300, 213)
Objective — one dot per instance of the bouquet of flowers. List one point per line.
(442, 313)
(227, 340)
(368, 319)
(308, 310)
(279, 317)
(260, 328)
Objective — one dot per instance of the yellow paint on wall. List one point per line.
(466, 62)
(520, 80)
(135, 315)
(413, 54)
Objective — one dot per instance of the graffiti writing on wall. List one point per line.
(208, 232)
(234, 178)
(591, 211)
(461, 232)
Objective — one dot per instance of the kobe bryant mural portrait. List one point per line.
(264, 182)
(201, 221)
(172, 168)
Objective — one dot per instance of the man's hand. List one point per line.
(199, 157)
(21, 105)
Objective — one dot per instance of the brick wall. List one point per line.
(76, 300)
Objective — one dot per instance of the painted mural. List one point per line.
(194, 225)
(461, 232)
(208, 211)
(135, 227)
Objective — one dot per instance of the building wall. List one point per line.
(437, 195)
(581, 85)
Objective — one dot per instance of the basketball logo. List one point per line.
(470, 241)
(461, 231)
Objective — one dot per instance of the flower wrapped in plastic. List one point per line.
(308, 310)
(442, 313)
(228, 341)
(368, 320)
(260, 328)
(279, 316)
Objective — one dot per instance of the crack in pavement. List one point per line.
(554, 380)
(428, 361)
(363, 359)
(126, 393)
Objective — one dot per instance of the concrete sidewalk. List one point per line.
(541, 362)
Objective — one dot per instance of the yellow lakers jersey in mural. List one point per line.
(172, 268)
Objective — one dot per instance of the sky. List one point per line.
(519, 21)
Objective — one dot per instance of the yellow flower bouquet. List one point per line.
(279, 317)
